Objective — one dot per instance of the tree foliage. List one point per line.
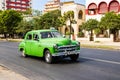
(45, 21)
(24, 26)
(50, 19)
(69, 15)
(90, 25)
(110, 21)
(27, 12)
(9, 20)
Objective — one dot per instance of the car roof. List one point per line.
(44, 30)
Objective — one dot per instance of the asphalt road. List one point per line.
(93, 64)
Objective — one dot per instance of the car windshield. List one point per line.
(56, 34)
(53, 34)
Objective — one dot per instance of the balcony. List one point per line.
(16, 7)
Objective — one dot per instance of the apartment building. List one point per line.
(19, 5)
(2, 4)
(52, 5)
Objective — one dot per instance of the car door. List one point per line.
(35, 45)
(28, 42)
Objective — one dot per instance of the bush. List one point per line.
(80, 34)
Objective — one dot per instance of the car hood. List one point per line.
(58, 41)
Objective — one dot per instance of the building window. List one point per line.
(114, 6)
(80, 15)
(102, 8)
(92, 8)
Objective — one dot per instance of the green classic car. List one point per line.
(49, 44)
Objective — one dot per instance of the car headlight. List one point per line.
(55, 47)
(78, 43)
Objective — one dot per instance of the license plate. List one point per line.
(69, 53)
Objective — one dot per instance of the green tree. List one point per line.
(36, 23)
(69, 16)
(27, 12)
(24, 26)
(3, 29)
(0, 11)
(111, 21)
(9, 20)
(50, 19)
(90, 25)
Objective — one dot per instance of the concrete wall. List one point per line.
(110, 39)
(104, 39)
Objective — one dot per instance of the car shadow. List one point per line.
(60, 60)
(69, 61)
(33, 58)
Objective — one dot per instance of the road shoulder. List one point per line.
(6, 74)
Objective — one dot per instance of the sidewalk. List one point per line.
(103, 45)
(6, 74)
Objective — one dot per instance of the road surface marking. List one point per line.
(101, 60)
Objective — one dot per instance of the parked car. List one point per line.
(49, 44)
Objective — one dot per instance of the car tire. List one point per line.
(23, 54)
(74, 57)
(48, 57)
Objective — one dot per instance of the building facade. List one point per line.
(95, 9)
(79, 17)
(2, 5)
(19, 5)
(52, 5)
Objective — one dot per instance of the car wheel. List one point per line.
(48, 57)
(74, 57)
(23, 53)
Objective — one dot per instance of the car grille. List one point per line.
(67, 48)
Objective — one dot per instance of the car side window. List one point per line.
(36, 37)
(29, 37)
(46, 35)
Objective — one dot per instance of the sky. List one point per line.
(39, 4)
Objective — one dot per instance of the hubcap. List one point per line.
(23, 53)
(47, 57)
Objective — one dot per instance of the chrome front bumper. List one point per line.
(67, 53)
